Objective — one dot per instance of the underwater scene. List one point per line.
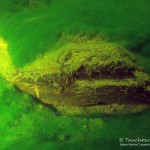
(74, 74)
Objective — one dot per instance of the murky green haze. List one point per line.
(25, 123)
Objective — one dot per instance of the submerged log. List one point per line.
(91, 76)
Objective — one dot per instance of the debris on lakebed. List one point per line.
(85, 76)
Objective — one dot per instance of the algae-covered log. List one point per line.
(86, 73)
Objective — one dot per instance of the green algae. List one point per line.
(85, 72)
(83, 57)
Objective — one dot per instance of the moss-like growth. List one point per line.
(148, 88)
(85, 57)
(85, 72)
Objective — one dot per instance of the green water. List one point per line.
(25, 123)
(30, 32)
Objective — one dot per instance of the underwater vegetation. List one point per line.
(31, 32)
(50, 52)
(85, 72)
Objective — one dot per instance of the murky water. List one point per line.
(26, 124)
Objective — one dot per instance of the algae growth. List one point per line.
(88, 74)
(32, 31)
